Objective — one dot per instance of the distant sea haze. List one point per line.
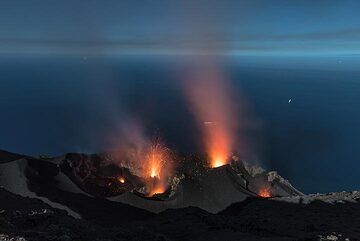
(302, 113)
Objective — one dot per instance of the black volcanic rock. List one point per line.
(6, 156)
(290, 215)
(264, 219)
(94, 175)
(31, 219)
(254, 219)
(281, 218)
(57, 179)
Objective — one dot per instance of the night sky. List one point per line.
(234, 27)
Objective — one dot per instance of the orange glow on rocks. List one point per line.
(264, 192)
(218, 161)
(218, 145)
(157, 189)
(121, 180)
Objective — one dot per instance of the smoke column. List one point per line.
(209, 98)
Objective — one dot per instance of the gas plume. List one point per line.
(209, 98)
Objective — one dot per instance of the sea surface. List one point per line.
(301, 113)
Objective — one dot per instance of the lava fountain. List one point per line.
(157, 167)
(156, 157)
(146, 158)
(210, 100)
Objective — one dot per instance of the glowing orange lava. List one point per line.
(217, 144)
(157, 190)
(264, 192)
(121, 179)
(218, 162)
(155, 159)
(157, 167)
(218, 158)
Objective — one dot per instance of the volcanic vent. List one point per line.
(191, 184)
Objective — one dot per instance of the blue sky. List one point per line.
(113, 26)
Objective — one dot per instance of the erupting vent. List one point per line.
(157, 167)
(121, 180)
(265, 192)
(211, 101)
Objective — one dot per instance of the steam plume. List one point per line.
(209, 98)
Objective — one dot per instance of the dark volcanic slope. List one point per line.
(6, 156)
(284, 219)
(254, 219)
(97, 210)
(68, 181)
(32, 219)
(262, 219)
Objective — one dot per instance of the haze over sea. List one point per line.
(303, 111)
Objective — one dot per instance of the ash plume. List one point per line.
(209, 98)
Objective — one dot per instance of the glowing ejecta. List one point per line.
(121, 180)
(157, 167)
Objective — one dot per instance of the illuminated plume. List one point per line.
(209, 98)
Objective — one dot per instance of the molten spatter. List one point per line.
(157, 167)
(121, 180)
(156, 158)
(264, 192)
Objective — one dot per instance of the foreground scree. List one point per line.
(254, 219)
(86, 197)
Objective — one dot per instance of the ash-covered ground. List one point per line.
(44, 199)
(253, 219)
